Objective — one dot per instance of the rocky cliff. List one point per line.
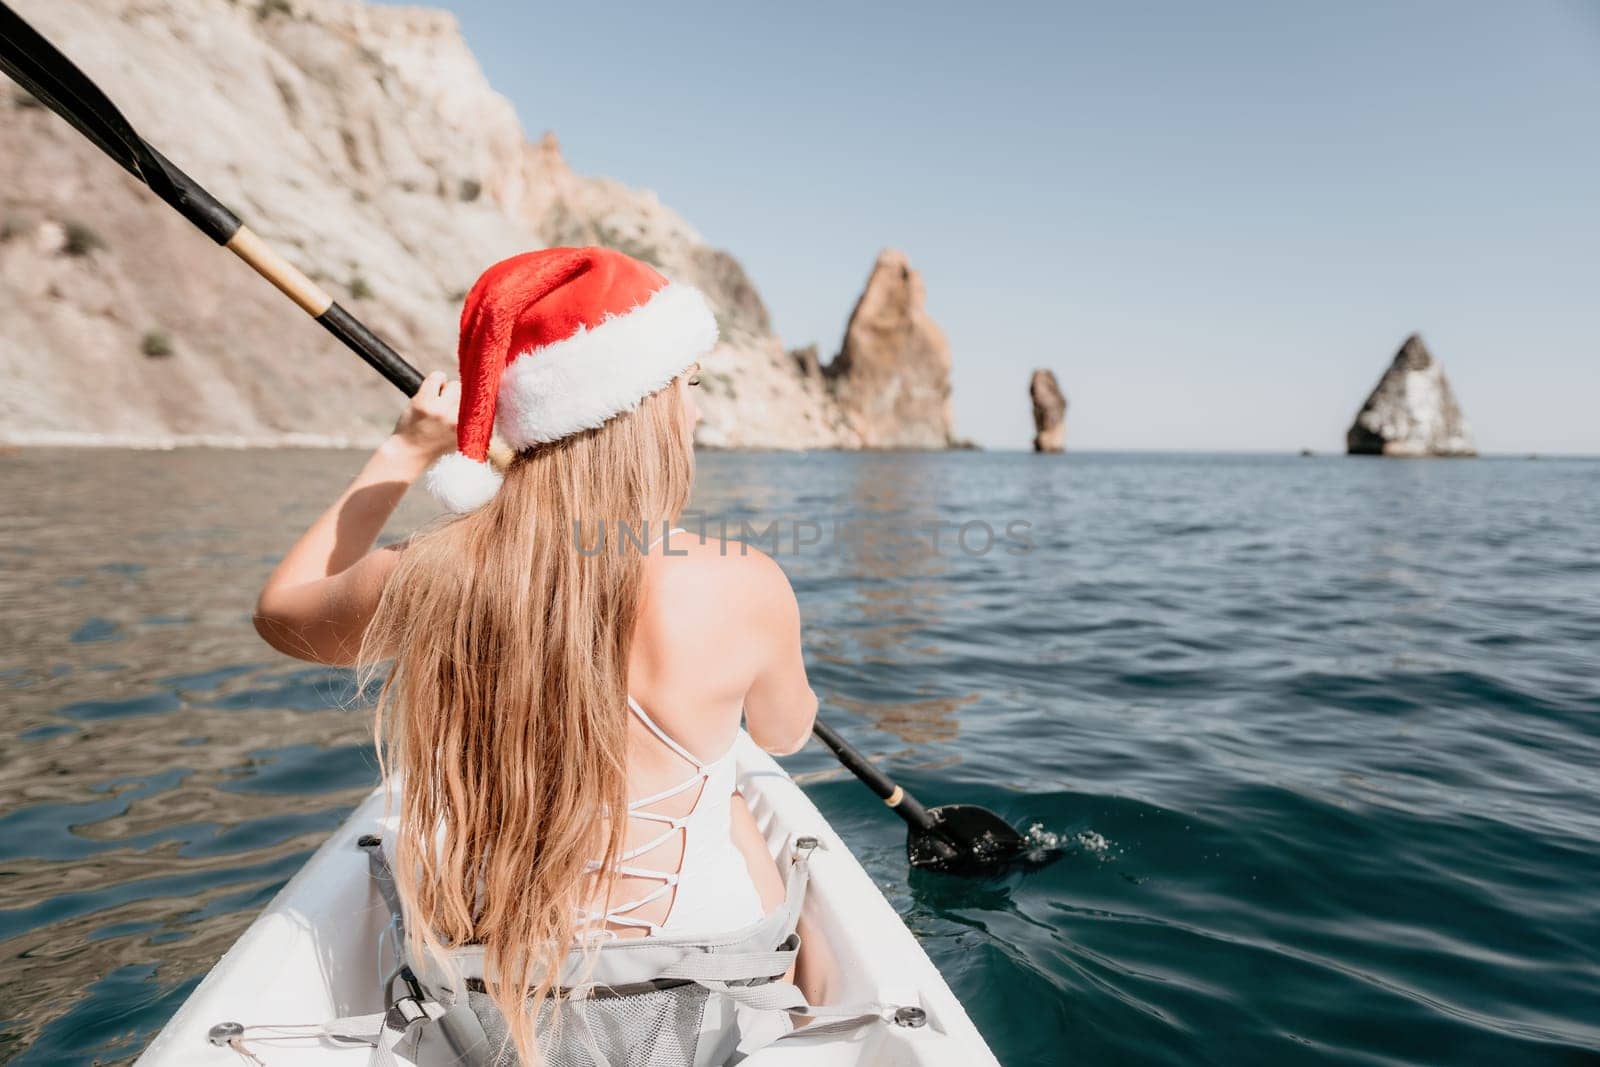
(891, 379)
(1412, 411)
(366, 145)
(1049, 412)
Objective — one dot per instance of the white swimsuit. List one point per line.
(714, 893)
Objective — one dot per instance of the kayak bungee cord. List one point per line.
(959, 838)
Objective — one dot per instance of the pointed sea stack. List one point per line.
(1411, 412)
(892, 377)
(1049, 412)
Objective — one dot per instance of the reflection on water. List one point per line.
(1319, 736)
(885, 529)
(161, 771)
(895, 569)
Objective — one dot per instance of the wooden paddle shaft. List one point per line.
(290, 279)
(904, 804)
(310, 297)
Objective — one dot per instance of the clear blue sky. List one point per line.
(1216, 223)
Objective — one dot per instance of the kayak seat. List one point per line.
(659, 1001)
(657, 1026)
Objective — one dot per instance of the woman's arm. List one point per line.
(318, 601)
(780, 706)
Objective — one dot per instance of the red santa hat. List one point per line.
(559, 341)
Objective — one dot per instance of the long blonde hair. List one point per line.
(504, 714)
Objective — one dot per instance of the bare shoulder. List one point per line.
(736, 573)
(711, 616)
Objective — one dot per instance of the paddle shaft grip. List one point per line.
(900, 802)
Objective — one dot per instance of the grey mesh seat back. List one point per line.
(661, 1001)
(618, 1009)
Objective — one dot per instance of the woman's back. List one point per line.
(716, 639)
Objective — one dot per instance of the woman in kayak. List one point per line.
(547, 663)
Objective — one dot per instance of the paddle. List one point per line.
(959, 838)
(52, 78)
(956, 837)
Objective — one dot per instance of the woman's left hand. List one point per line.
(428, 424)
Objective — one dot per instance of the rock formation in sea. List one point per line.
(891, 378)
(1049, 412)
(1412, 411)
(365, 143)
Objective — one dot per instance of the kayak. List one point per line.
(315, 954)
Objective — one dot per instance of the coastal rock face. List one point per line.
(1412, 412)
(365, 144)
(1049, 412)
(892, 377)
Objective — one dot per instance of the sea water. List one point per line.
(1318, 738)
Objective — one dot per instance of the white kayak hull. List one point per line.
(314, 954)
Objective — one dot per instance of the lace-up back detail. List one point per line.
(711, 887)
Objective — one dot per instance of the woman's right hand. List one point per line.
(428, 424)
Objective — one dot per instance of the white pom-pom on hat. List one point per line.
(462, 484)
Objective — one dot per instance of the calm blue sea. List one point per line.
(1321, 738)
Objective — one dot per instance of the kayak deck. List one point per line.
(314, 954)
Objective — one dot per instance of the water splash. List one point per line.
(1090, 841)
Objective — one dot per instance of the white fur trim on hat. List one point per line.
(462, 484)
(580, 382)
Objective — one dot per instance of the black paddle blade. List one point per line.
(36, 65)
(39, 67)
(966, 839)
